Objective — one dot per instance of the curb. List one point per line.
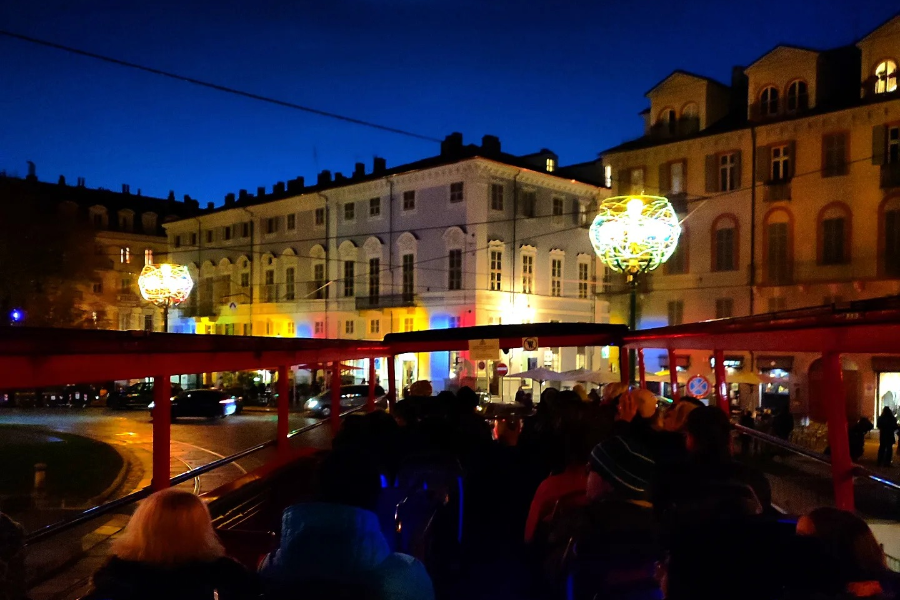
(116, 483)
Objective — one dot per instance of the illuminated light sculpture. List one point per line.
(634, 235)
(165, 285)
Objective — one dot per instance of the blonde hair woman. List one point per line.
(169, 550)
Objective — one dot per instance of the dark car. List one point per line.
(202, 403)
(139, 395)
(352, 396)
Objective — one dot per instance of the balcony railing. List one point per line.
(890, 175)
(777, 191)
(127, 299)
(200, 309)
(392, 301)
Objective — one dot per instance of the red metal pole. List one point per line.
(335, 397)
(162, 422)
(642, 374)
(673, 376)
(624, 368)
(841, 464)
(721, 384)
(392, 382)
(283, 414)
(370, 404)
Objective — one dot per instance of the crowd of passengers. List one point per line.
(606, 477)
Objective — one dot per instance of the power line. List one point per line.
(215, 86)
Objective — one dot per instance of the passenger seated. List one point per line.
(336, 546)
(12, 560)
(169, 550)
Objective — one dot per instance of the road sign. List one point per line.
(501, 369)
(484, 349)
(481, 365)
(698, 386)
(530, 344)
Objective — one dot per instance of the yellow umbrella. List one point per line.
(663, 376)
(747, 377)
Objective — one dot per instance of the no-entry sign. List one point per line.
(501, 369)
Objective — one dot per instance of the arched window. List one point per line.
(768, 102)
(348, 252)
(690, 118)
(779, 247)
(889, 236)
(320, 282)
(668, 119)
(725, 243)
(834, 234)
(886, 77)
(797, 96)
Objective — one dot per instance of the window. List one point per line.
(768, 102)
(454, 270)
(97, 287)
(125, 255)
(292, 221)
(607, 176)
(178, 241)
(776, 304)
(148, 322)
(374, 207)
(833, 241)
(375, 326)
(724, 244)
(557, 211)
(677, 263)
(226, 233)
(556, 277)
(675, 311)
(210, 236)
(319, 328)
(291, 328)
(778, 252)
(496, 196)
(453, 322)
(727, 172)
(834, 154)
(409, 276)
(781, 163)
(349, 212)
(125, 284)
(529, 204)
(97, 219)
(271, 225)
(319, 281)
(496, 264)
(409, 200)
(290, 287)
(245, 280)
(193, 239)
(409, 324)
(886, 77)
(349, 278)
(246, 227)
(320, 217)
(148, 256)
(893, 144)
(724, 308)
(797, 96)
(891, 236)
(374, 279)
(269, 291)
(669, 120)
(349, 326)
(551, 165)
(676, 177)
(456, 192)
(583, 277)
(527, 274)
(637, 181)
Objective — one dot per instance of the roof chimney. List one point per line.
(324, 177)
(242, 194)
(80, 182)
(261, 191)
(187, 198)
(32, 175)
(171, 197)
(490, 144)
(359, 170)
(210, 205)
(379, 165)
(278, 188)
(126, 189)
(295, 185)
(229, 199)
(339, 177)
(452, 144)
(62, 180)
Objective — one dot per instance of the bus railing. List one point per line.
(49, 531)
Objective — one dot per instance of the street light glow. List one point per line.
(635, 234)
(165, 284)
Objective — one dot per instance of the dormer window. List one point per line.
(797, 96)
(768, 102)
(669, 120)
(886, 77)
(551, 165)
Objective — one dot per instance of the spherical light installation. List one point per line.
(165, 285)
(635, 234)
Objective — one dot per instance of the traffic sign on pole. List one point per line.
(501, 369)
(698, 386)
(530, 344)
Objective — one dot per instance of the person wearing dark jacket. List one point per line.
(12, 559)
(170, 550)
(887, 427)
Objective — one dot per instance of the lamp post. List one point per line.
(634, 235)
(165, 285)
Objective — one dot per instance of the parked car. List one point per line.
(139, 395)
(352, 396)
(202, 403)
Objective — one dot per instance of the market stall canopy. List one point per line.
(539, 374)
(663, 376)
(749, 378)
(598, 377)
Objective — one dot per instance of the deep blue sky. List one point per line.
(565, 75)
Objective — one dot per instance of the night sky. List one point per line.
(569, 76)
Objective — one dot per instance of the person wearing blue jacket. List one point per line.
(335, 546)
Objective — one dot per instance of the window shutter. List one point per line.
(664, 183)
(737, 170)
(712, 173)
(576, 212)
(879, 141)
(624, 182)
(763, 163)
(792, 152)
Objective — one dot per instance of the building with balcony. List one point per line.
(121, 230)
(788, 183)
(472, 236)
